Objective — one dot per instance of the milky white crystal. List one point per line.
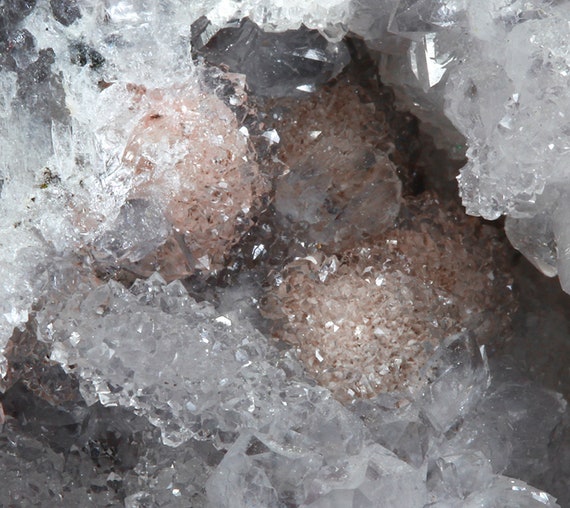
(500, 72)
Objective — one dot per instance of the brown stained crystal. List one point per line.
(188, 154)
(366, 323)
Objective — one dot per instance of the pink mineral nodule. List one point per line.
(340, 185)
(368, 320)
(187, 154)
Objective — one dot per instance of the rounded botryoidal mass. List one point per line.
(185, 154)
(339, 186)
(367, 322)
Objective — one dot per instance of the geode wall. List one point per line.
(235, 265)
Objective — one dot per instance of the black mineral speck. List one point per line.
(81, 54)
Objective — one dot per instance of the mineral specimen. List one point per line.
(367, 321)
(186, 157)
(499, 71)
(338, 186)
(123, 152)
(279, 437)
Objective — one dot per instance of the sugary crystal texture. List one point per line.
(338, 186)
(367, 322)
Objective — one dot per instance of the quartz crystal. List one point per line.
(298, 60)
(151, 348)
(280, 437)
(35, 475)
(232, 274)
(328, 16)
(499, 71)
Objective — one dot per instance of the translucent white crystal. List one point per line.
(501, 72)
(158, 351)
(462, 378)
(328, 16)
(510, 493)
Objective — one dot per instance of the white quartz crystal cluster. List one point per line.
(60, 138)
(202, 376)
(82, 183)
(85, 173)
(500, 72)
(327, 16)
(191, 371)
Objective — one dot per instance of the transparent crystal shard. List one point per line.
(335, 206)
(510, 493)
(370, 19)
(423, 16)
(561, 229)
(535, 239)
(544, 237)
(275, 64)
(372, 478)
(458, 475)
(457, 377)
(138, 231)
(512, 427)
(164, 475)
(257, 471)
(428, 64)
(40, 90)
(396, 425)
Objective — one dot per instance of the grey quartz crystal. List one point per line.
(288, 63)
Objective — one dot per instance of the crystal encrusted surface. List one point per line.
(499, 72)
(122, 152)
(337, 186)
(187, 159)
(367, 321)
(268, 434)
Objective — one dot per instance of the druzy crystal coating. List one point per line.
(235, 267)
